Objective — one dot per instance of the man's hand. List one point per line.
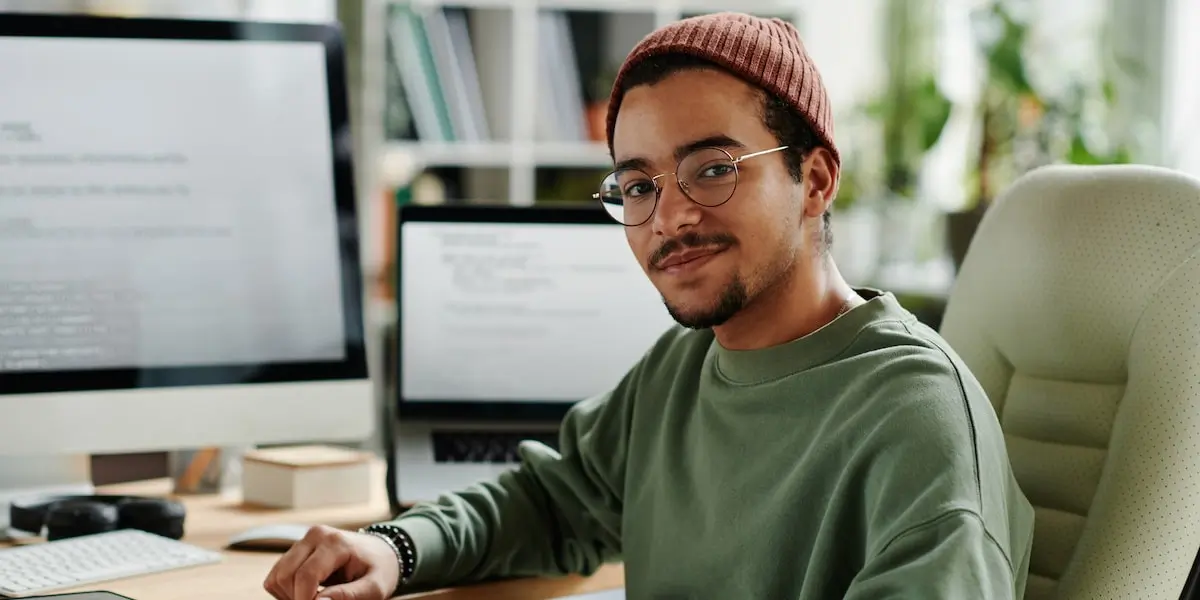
(353, 566)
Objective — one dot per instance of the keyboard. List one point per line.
(46, 567)
(484, 446)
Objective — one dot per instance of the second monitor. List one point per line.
(179, 261)
(507, 317)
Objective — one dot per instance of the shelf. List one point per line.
(486, 154)
(608, 6)
(582, 154)
(500, 154)
(500, 86)
(494, 4)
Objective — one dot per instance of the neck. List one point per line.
(807, 300)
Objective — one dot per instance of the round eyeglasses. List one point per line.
(707, 176)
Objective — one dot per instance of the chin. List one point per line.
(689, 306)
(703, 311)
(699, 316)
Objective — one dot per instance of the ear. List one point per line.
(821, 176)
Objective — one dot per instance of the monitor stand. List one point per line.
(23, 476)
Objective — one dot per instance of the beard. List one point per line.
(737, 294)
(731, 299)
(741, 291)
(730, 302)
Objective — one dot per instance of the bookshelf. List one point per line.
(504, 99)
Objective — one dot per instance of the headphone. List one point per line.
(73, 516)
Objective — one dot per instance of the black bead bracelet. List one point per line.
(401, 543)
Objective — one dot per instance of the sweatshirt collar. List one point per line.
(819, 347)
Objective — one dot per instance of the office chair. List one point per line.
(1078, 309)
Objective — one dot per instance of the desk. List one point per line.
(212, 520)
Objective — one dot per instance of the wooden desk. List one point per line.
(212, 521)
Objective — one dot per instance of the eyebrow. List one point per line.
(712, 141)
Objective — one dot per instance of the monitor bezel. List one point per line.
(490, 411)
(353, 365)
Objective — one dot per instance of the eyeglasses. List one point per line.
(707, 176)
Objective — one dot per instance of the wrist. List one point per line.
(401, 544)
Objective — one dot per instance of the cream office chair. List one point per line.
(1078, 309)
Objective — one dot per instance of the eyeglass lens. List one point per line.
(707, 176)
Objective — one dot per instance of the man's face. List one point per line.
(710, 262)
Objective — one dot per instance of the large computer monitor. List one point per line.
(179, 262)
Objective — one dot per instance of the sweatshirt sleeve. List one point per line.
(944, 518)
(554, 513)
(948, 558)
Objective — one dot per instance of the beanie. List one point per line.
(766, 52)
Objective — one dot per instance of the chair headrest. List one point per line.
(1075, 255)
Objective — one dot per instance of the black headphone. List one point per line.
(72, 516)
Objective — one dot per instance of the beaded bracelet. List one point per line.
(401, 543)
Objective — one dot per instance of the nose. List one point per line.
(675, 211)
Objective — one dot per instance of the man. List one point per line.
(795, 438)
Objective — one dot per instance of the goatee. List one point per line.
(733, 299)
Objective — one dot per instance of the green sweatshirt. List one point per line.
(862, 461)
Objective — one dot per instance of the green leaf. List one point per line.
(934, 108)
(1109, 89)
(875, 109)
(1004, 60)
(1079, 153)
(1130, 66)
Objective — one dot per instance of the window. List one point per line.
(1181, 86)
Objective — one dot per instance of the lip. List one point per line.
(688, 260)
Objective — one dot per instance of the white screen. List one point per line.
(165, 203)
(521, 312)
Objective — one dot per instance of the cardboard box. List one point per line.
(306, 477)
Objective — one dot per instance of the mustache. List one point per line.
(690, 240)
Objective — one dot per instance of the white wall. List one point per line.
(845, 38)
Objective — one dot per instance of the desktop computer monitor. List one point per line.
(179, 263)
(507, 316)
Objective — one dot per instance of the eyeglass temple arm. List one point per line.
(759, 153)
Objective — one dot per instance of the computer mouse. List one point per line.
(273, 538)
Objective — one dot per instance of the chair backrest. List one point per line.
(1077, 308)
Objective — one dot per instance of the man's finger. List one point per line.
(279, 580)
(322, 563)
(362, 589)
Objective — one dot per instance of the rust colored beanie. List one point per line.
(766, 52)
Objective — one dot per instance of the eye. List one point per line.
(638, 188)
(717, 170)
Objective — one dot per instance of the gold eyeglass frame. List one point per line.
(658, 189)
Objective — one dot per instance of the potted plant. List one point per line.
(597, 104)
(1006, 90)
(1020, 128)
(911, 113)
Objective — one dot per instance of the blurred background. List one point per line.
(939, 104)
